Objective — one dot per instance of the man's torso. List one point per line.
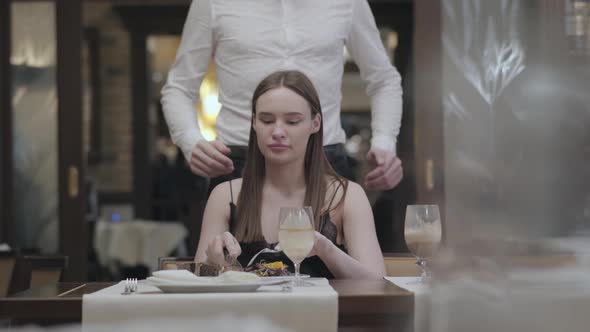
(257, 37)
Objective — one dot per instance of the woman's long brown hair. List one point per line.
(317, 167)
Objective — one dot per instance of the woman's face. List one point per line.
(283, 125)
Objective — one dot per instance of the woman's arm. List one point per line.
(214, 231)
(364, 259)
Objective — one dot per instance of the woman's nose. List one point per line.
(278, 131)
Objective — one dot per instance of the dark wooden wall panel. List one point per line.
(428, 129)
(142, 178)
(6, 216)
(72, 225)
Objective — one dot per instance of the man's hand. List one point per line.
(387, 170)
(209, 159)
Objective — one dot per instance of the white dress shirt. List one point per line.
(250, 39)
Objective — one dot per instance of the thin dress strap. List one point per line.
(334, 196)
(232, 209)
(326, 226)
(231, 193)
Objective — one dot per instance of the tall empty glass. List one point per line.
(422, 233)
(296, 236)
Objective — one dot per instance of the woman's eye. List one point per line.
(266, 121)
(294, 122)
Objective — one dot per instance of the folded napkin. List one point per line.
(176, 275)
(159, 281)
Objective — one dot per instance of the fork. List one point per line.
(232, 263)
(265, 250)
(130, 286)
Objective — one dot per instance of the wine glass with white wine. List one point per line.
(296, 236)
(422, 233)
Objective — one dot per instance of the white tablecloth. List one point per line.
(304, 309)
(137, 242)
(421, 300)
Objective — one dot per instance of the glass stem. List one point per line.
(297, 273)
(422, 264)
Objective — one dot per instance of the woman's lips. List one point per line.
(278, 147)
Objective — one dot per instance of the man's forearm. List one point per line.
(386, 115)
(181, 118)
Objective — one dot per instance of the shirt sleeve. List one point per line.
(382, 80)
(181, 91)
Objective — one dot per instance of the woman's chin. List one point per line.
(279, 159)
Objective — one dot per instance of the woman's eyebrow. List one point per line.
(268, 113)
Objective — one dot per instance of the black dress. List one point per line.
(313, 266)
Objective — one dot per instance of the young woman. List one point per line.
(286, 167)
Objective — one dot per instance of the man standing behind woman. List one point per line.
(249, 39)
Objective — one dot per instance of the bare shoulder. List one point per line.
(237, 185)
(225, 190)
(355, 192)
(220, 189)
(335, 189)
(356, 198)
(357, 208)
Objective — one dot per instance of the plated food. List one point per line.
(261, 269)
(271, 269)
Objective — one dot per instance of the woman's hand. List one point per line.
(214, 251)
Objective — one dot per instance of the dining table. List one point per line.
(363, 305)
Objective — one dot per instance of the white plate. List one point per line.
(211, 288)
(289, 277)
(214, 287)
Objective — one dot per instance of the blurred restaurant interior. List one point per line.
(495, 131)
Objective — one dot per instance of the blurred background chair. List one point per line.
(176, 263)
(7, 261)
(401, 265)
(35, 271)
